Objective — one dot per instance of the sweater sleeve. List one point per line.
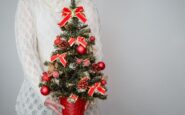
(94, 23)
(26, 42)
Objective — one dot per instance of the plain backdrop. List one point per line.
(144, 50)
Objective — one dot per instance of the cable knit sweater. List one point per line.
(35, 30)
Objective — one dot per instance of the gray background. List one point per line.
(144, 48)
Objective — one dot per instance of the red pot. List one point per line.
(77, 108)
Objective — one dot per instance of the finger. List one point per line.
(50, 102)
(47, 101)
(57, 104)
(86, 105)
(60, 114)
(54, 109)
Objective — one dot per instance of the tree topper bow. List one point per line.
(68, 14)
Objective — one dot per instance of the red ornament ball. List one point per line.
(58, 40)
(103, 82)
(81, 50)
(92, 39)
(45, 90)
(101, 65)
(45, 77)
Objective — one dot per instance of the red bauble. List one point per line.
(45, 90)
(101, 65)
(92, 39)
(81, 50)
(58, 40)
(45, 77)
(103, 82)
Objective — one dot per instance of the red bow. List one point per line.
(96, 87)
(61, 58)
(79, 40)
(67, 13)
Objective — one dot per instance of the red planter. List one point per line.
(77, 108)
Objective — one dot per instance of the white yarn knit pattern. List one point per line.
(35, 30)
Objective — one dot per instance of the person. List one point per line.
(35, 30)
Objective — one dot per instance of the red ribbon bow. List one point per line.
(61, 58)
(79, 40)
(68, 14)
(96, 87)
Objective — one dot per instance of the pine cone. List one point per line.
(95, 67)
(64, 45)
(83, 84)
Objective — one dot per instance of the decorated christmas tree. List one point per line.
(73, 71)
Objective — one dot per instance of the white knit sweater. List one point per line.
(35, 30)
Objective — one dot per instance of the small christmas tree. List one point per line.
(73, 72)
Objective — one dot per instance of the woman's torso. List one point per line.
(48, 14)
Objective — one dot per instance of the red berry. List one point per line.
(45, 77)
(81, 50)
(103, 82)
(92, 39)
(45, 90)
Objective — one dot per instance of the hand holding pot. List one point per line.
(53, 106)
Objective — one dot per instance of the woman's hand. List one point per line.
(53, 106)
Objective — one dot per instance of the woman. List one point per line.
(36, 28)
